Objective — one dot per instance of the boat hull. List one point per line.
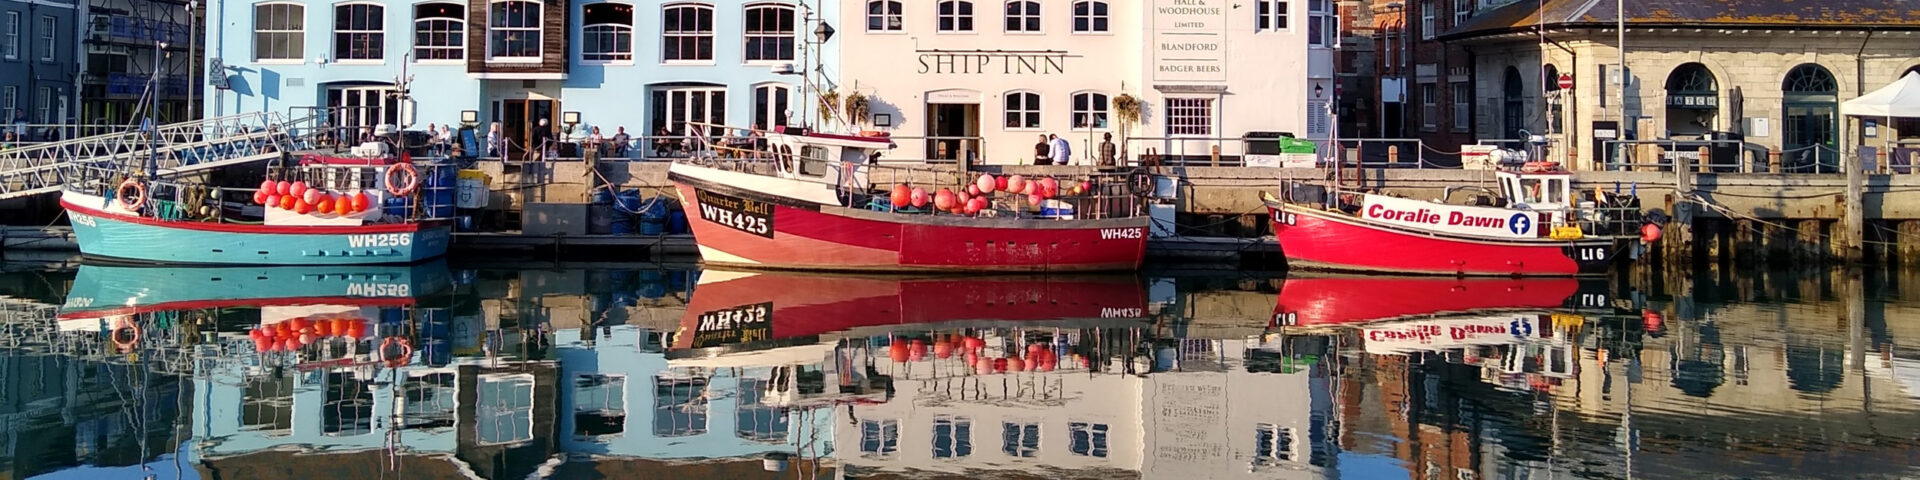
(1314, 239)
(124, 238)
(1310, 301)
(741, 228)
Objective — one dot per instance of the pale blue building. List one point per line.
(643, 66)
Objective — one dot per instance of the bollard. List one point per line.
(1393, 154)
(1880, 162)
(1215, 152)
(1773, 160)
(1706, 161)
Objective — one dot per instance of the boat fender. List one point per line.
(133, 201)
(405, 352)
(125, 335)
(399, 189)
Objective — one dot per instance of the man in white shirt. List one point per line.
(1061, 149)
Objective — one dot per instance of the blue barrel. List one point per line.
(653, 284)
(603, 196)
(628, 201)
(677, 222)
(679, 279)
(653, 218)
(622, 224)
(398, 206)
(620, 280)
(395, 317)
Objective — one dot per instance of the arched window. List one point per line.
(956, 16)
(359, 31)
(439, 31)
(1811, 98)
(279, 31)
(1090, 16)
(1023, 110)
(1089, 110)
(687, 33)
(606, 32)
(1515, 103)
(885, 16)
(769, 32)
(513, 30)
(1023, 16)
(1693, 100)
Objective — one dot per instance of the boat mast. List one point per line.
(153, 106)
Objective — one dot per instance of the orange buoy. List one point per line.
(1017, 184)
(360, 201)
(974, 343)
(287, 202)
(942, 349)
(1016, 364)
(944, 199)
(918, 197)
(1048, 187)
(260, 197)
(897, 352)
(983, 367)
(902, 196)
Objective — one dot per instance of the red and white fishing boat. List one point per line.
(819, 201)
(1534, 225)
(1335, 300)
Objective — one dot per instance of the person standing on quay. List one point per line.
(1040, 156)
(1108, 151)
(1062, 150)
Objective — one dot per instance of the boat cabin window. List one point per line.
(1530, 191)
(814, 161)
(1556, 191)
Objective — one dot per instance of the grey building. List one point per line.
(119, 38)
(38, 67)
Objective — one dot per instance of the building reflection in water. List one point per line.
(593, 374)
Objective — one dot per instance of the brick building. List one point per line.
(1425, 85)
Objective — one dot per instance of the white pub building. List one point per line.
(987, 80)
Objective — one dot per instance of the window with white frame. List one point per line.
(359, 32)
(11, 49)
(1023, 16)
(687, 33)
(770, 33)
(9, 103)
(952, 437)
(1321, 24)
(1429, 105)
(45, 104)
(1462, 10)
(513, 31)
(673, 108)
(1272, 444)
(1427, 23)
(955, 16)
(346, 407)
(49, 30)
(1020, 439)
(679, 406)
(1462, 106)
(430, 401)
(756, 419)
(880, 438)
(279, 31)
(606, 33)
(1090, 16)
(1023, 110)
(504, 413)
(1270, 15)
(770, 104)
(599, 405)
(439, 31)
(1087, 439)
(1089, 110)
(885, 16)
(1190, 116)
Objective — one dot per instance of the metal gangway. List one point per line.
(179, 148)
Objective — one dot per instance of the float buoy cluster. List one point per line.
(299, 332)
(973, 350)
(978, 195)
(300, 198)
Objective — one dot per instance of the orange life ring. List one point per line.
(139, 196)
(413, 179)
(406, 352)
(1538, 166)
(130, 341)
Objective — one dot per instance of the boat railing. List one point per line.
(189, 202)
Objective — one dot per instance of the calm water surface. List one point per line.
(434, 372)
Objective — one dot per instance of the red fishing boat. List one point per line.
(1533, 225)
(797, 199)
(737, 311)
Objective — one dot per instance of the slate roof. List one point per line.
(1831, 14)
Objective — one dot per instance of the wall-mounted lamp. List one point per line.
(1318, 91)
(469, 118)
(570, 118)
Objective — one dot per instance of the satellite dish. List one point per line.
(783, 69)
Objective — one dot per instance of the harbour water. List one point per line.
(437, 371)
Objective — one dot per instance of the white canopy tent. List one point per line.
(1900, 99)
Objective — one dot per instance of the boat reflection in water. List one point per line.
(718, 374)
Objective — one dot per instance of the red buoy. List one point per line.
(1649, 233)
(897, 352)
(902, 196)
(918, 197)
(944, 199)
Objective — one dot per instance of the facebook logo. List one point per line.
(1520, 224)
